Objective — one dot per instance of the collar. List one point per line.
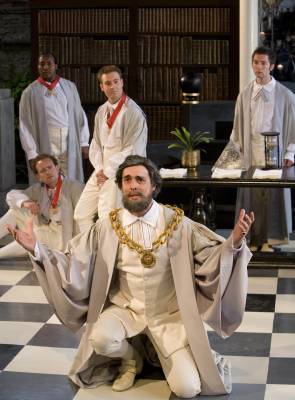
(150, 218)
(114, 105)
(268, 87)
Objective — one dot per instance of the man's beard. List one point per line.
(137, 205)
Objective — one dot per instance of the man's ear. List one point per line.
(271, 67)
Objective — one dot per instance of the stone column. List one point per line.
(248, 38)
(7, 147)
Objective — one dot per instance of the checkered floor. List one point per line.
(36, 351)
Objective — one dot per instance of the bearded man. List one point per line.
(147, 269)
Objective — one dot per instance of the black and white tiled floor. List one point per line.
(36, 351)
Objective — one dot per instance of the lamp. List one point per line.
(271, 150)
(190, 84)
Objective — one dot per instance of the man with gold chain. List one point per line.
(147, 269)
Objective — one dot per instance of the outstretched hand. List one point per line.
(242, 227)
(25, 238)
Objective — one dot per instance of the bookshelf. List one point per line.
(152, 41)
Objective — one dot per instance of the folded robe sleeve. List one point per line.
(66, 278)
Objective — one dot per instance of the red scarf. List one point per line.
(112, 118)
(51, 85)
(55, 197)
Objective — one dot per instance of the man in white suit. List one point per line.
(147, 269)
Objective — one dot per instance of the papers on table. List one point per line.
(267, 174)
(220, 173)
(173, 173)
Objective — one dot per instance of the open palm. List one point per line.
(25, 238)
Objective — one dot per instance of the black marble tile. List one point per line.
(242, 344)
(25, 312)
(284, 323)
(21, 264)
(239, 392)
(286, 286)
(281, 371)
(261, 272)
(54, 335)
(7, 353)
(261, 302)
(26, 386)
(29, 280)
(4, 288)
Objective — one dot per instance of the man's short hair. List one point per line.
(265, 51)
(47, 54)
(133, 161)
(41, 157)
(107, 69)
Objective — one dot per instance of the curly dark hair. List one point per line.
(132, 161)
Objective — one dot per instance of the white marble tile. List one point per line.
(285, 303)
(53, 320)
(11, 277)
(24, 294)
(249, 369)
(42, 360)
(261, 322)
(283, 345)
(143, 389)
(286, 273)
(279, 392)
(262, 285)
(13, 332)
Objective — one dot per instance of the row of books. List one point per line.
(83, 20)
(162, 120)
(184, 19)
(161, 84)
(153, 49)
(116, 20)
(76, 50)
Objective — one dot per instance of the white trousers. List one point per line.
(13, 249)
(108, 338)
(58, 138)
(96, 201)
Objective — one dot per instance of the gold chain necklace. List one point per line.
(147, 257)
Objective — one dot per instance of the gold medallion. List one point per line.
(147, 259)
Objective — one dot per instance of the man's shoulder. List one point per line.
(73, 183)
(284, 90)
(132, 106)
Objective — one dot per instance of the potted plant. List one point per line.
(190, 145)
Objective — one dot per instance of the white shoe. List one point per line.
(267, 248)
(127, 373)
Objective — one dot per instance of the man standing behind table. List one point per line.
(147, 269)
(50, 202)
(52, 120)
(120, 130)
(265, 106)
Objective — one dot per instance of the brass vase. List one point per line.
(190, 159)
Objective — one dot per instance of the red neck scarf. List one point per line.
(112, 118)
(55, 197)
(51, 85)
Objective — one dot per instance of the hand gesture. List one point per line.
(287, 163)
(32, 206)
(100, 177)
(26, 238)
(242, 227)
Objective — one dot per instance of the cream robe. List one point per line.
(108, 149)
(210, 284)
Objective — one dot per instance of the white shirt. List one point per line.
(57, 117)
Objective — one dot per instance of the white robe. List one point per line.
(33, 116)
(210, 282)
